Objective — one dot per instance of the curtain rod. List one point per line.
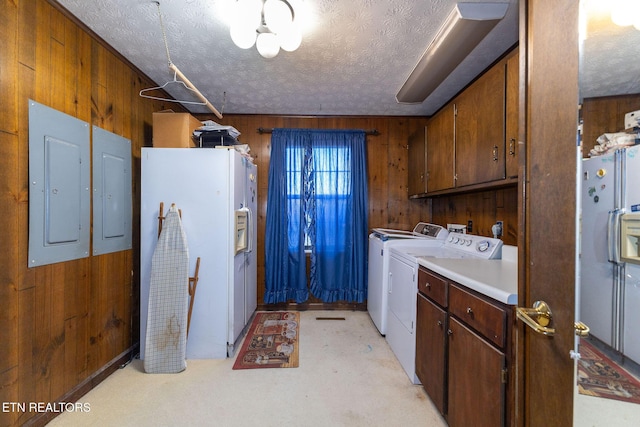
(373, 132)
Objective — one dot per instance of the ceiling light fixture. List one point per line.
(462, 31)
(269, 24)
(625, 13)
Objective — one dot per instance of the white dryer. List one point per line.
(403, 287)
(380, 241)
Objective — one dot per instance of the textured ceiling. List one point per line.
(609, 63)
(355, 54)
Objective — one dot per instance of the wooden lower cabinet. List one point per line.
(431, 368)
(463, 347)
(476, 391)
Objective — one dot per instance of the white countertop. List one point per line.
(495, 278)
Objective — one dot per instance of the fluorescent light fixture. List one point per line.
(464, 28)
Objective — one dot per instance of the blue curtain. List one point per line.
(285, 266)
(318, 197)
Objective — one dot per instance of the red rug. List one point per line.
(601, 377)
(271, 342)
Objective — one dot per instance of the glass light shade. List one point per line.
(622, 13)
(277, 15)
(291, 39)
(267, 45)
(243, 36)
(247, 13)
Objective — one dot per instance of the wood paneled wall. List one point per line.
(62, 324)
(65, 326)
(484, 209)
(604, 115)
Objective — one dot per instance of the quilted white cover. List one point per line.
(166, 340)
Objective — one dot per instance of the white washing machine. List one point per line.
(403, 288)
(380, 241)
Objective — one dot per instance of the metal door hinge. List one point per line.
(504, 376)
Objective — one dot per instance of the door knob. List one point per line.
(537, 318)
(582, 330)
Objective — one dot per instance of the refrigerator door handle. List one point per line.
(250, 230)
(613, 235)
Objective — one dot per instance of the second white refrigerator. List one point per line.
(610, 233)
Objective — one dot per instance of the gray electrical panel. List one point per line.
(112, 205)
(59, 183)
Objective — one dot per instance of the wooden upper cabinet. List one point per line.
(417, 179)
(479, 134)
(472, 142)
(511, 122)
(440, 150)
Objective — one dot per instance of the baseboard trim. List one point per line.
(85, 386)
(313, 306)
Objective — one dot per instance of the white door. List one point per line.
(198, 183)
(376, 292)
(403, 298)
(631, 338)
(402, 292)
(251, 257)
(597, 280)
(237, 295)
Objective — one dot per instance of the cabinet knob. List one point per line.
(428, 285)
(440, 323)
(469, 311)
(449, 332)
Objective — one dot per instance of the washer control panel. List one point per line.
(477, 246)
(430, 230)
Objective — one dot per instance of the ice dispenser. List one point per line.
(630, 238)
(242, 230)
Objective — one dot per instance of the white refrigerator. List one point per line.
(609, 261)
(216, 192)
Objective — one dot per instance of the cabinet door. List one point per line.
(440, 150)
(476, 390)
(511, 125)
(417, 182)
(430, 350)
(479, 130)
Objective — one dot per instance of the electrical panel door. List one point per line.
(112, 192)
(59, 181)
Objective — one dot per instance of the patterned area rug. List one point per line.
(599, 376)
(271, 342)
